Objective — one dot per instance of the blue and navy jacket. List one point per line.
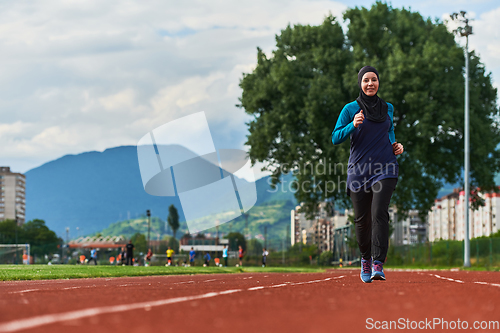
(371, 156)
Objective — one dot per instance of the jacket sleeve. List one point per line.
(343, 128)
(392, 136)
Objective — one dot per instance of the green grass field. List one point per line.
(45, 272)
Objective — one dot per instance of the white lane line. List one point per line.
(296, 283)
(314, 281)
(67, 288)
(184, 282)
(23, 324)
(23, 291)
(460, 281)
(488, 284)
(445, 278)
(279, 285)
(230, 291)
(210, 280)
(256, 288)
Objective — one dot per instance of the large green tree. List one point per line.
(140, 242)
(236, 239)
(295, 97)
(42, 240)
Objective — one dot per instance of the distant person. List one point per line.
(149, 255)
(170, 253)
(192, 255)
(264, 257)
(207, 259)
(241, 254)
(224, 255)
(130, 253)
(123, 256)
(93, 256)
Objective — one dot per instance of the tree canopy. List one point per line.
(296, 94)
(173, 219)
(236, 239)
(42, 240)
(140, 242)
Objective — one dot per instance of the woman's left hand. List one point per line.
(397, 148)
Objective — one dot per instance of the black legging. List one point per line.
(130, 262)
(371, 218)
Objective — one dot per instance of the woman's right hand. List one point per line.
(358, 119)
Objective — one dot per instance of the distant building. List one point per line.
(340, 219)
(319, 230)
(212, 244)
(12, 195)
(410, 230)
(447, 217)
(323, 234)
(99, 242)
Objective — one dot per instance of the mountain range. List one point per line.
(92, 190)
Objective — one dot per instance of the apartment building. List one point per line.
(323, 234)
(320, 230)
(12, 195)
(447, 217)
(408, 230)
(443, 217)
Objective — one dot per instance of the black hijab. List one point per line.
(374, 108)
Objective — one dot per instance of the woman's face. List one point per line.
(369, 84)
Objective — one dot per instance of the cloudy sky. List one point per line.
(86, 75)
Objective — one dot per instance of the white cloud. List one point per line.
(121, 100)
(485, 39)
(89, 75)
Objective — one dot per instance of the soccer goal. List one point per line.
(14, 254)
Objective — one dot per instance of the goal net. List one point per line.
(14, 254)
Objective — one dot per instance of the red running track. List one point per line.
(335, 301)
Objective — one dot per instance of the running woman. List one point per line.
(372, 169)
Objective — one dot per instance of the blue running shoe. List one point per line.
(378, 270)
(366, 270)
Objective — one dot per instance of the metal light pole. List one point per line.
(265, 236)
(67, 240)
(465, 32)
(283, 251)
(148, 213)
(247, 231)
(15, 254)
